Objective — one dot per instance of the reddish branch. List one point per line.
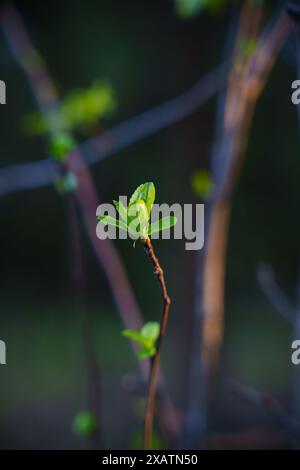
(154, 371)
(78, 279)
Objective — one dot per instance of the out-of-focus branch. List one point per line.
(155, 362)
(246, 81)
(42, 173)
(273, 292)
(247, 77)
(294, 10)
(267, 402)
(254, 438)
(78, 280)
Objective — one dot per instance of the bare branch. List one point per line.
(267, 402)
(273, 292)
(42, 173)
(154, 371)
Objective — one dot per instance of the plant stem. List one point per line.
(154, 371)
(78, 278)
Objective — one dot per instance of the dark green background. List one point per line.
(148, 55)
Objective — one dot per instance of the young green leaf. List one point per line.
(135, 336)
(147, 352)
(162, 224)
(108, 220)
(145, 192)
(146, 338)
(151, 331)
(61, 144)
(138, 219)
(202, 183)
(121, 210)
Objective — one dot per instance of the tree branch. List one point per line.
(154, 371)
(273, 293)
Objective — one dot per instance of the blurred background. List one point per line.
(145, 53)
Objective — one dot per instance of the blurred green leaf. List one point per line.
(60, 145)
(147, 352)
(146, 338)
(189, 8)
(66, 184)
(84, 107)
(84, 424)
(202, 183)
(81, 108)
(162, 224)
(150, 331)
(135, 336)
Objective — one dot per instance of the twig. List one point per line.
(247, 78)
(270, 405)
(196, 414)
(293, 8)
(150, 408)
(274, 294)
(34, 175)
(246, 82)
(253, 438)
(92, 368)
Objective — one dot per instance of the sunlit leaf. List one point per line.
(147, 352)
(145, 192)
(162, 224)
(135, 336)
(138, 219)
(121, 210)
(146, 338)
(108, 220)
(150, 331)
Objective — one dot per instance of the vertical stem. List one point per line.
(154, 371)
(246, 81)
(92, 368)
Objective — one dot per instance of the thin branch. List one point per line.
(247, 78)
(293, 8)
(41, 173)
(273, 292)
(150, 408)
(253, 438)
(246, 83)
(196, 414)
(78, 279)
(272, 406)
